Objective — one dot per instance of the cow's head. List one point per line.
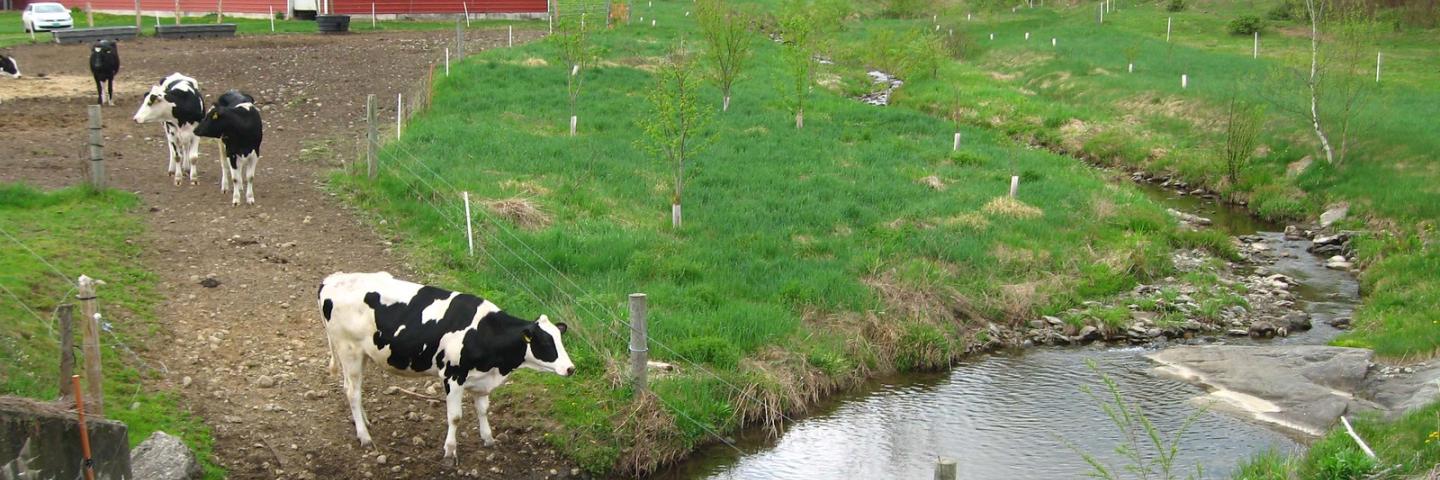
(216, 122)
(9, 67)
(104, 47)
(156, 106)
(544, 349)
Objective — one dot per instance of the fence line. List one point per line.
(38, 257)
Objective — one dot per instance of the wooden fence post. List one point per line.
(944, 469)
(89, 15)
(139, 19)
(639, 351)
(90, 326)
(370, 136)
(219, 11)
(67, 350)
(177, 12)
(97, 155)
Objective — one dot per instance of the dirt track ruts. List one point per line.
(253, 346)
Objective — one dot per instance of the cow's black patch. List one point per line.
(239, 128)
(496, 342)
(327, 308)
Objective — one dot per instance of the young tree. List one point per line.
(676, 128)
(798, 29)
(1242, 131)
(729, 43)
(1336, 81)
(572, 39)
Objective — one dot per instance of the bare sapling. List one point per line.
(676, 128)
(577, 55)
(1242, 133)
(728, 44)
(1336, 82)
(799, 31)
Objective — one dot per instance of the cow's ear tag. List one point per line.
(526, 337)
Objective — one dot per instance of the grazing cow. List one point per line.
(9, 67)
(417, 330)
(240, 129)
(104, 64)
(177, 101)
(231, 98)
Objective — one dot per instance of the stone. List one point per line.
(1294, 233)
(1263, 330)
(1296, 321)
(186, 381)
(209, 282)
(1294, 169)
(1304, 388)
(265, 381)
(1055, 321)
(1236, 332)
(1334, 214)
(1338, 263)
(1340, 323)
(391, 390)
(381, 459)
(164, 457)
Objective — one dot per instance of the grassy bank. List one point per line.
(1077, 97)
(809, 258)
(79, 232)
(12, 32)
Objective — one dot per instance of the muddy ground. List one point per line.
(249, 355)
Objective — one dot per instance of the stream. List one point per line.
(1022, 413)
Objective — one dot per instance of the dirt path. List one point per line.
(249, 355)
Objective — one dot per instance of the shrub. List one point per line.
(908, 8)
(1175, 5)
(1246, 25)
(1286, 10)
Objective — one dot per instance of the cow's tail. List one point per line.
(334, 366)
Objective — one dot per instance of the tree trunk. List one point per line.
(725, 106)
(1314, 80)
(800, 118)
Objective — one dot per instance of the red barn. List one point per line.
(388, 8)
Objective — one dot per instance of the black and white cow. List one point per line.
(420, 330)
(177, 101)
(9, 67)
(104, 65)
(230, 98)
(240, 129)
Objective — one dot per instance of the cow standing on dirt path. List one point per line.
(240, 129)
(421, 330)
(177, 101)
(230, 98)
(104, 65)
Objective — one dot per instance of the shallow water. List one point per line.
(1023, 414)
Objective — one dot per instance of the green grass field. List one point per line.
(79, 232)
(12, 32)
(809, 258)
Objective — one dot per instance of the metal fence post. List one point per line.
(639, 351)
(370, 136)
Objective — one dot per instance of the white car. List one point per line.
(46, 16)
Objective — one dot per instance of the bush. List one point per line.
(908, 8)
(1175, 5)
(1286, 10)
(1246, 25)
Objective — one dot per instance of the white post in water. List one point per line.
(1378, 58)
(1256, 50)
(447, 61)
(945, 469)
(399, 112)
(469, 231)
(1184, 80)
(957, 142)
(1167, 29)
(1014, 185)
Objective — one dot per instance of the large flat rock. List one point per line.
(1300, 388)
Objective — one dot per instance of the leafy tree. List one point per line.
(799, 29)
(676, 128)
(729, 44)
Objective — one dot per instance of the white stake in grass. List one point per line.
(957, 142)
(1027, 35)
(447, 61)
(1378, 58)
(652, 22)
(272, 18)
(1131, 68)
(1256, 51)
(1052, 41)
(399, 112)
(372, 15)
(510, 36)
(466, 5)
(967, 17)
(1167, 29)
(1184, 81)
(992, 36)
(1014, 185)
(469, 231)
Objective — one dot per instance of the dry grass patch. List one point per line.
(1103, 207)
(520, 211)
(534, 62)
(657, 435)
(525, 186)
(933, 182)
(1073, 135)
(1012, 208)
(971, 220)
(1019, 256)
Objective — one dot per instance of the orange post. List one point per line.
(89, 464)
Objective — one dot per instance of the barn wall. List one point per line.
(187, 7)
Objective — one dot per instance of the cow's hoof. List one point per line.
(489, 443)
(449, 462)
